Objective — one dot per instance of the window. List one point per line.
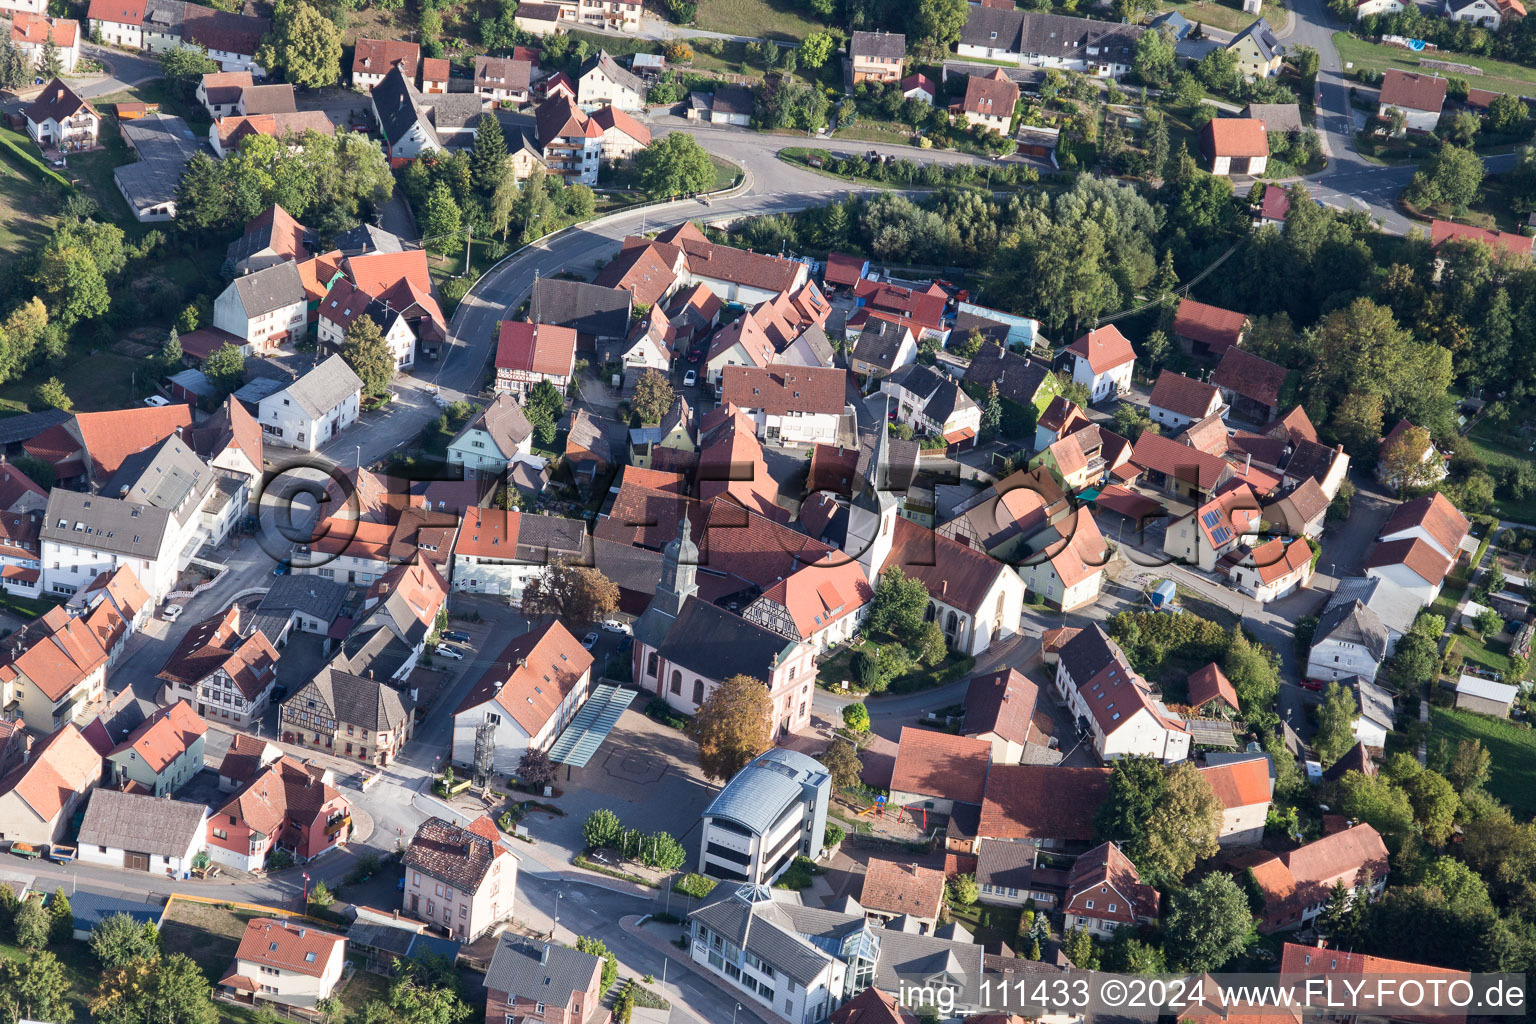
(1090, 904)
(1112, 908)
(677, 681)
(218, 833)
(539, 1009)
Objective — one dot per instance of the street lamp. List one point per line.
(556, 926)
(733, 1013)
(306, 889)
(359, 463)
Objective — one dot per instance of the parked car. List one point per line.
(458, 636)
(172, 612)
(280, 570)
(156, 401)
(615, 626)
(690, 378)
(589, 641)
(1312, 684)
(452, 653)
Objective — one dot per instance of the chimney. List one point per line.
(544, 956)
(1247, 462)
(943, 588)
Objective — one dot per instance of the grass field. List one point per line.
(1507, 444)
(80, 970)
(1228, 16)
(23, 218)
(106, 380)
(1498, 75)
(1512, 746)
(773, 19)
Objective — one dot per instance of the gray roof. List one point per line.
(904, 955)
(165, 15)
(457, 111)
(1396, 606)
(1277, 117)
(369, 703)
(540, 537)
(716, 644)
(880, 342)
(164, 145)
(816, 339)
(611, 69)
(1349, 622)
(165, 476)
(254, 390)
(144, 824)
(367, 238)
(1050, 35)
(195, 381)
(269, 289)
(1174, 22)
(772, 781)
(586, 308)
(884, 45)
(778, 932)
(1263, 37)
(504, 421)
(540, 972)
(733, 99)
(1028, 79)
(1375, 703)
(104, 524)
(1001, 863)
(90, 908)
(309, 594)
(399, 107)
(325, 387)
(29, 425)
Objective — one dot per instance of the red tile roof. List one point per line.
(110, 437)
(1105, 877)
(1276, 204)
(289, 946)
(779, 390)
(731, 464)
(1239, 783)
(614, 119)
(60, 766)
(1295, 426)
(1105, 348)
(872, 1006)
(537, 348)
(488, 533)
(435, 69)
(642, 269)
(377, 56)
(727, 263)
(1218, 329)
(1443, 231)
(1276, 559)
(942, 765)
(990, 95)
(1408, 90)
(924, 308)
(1001, 702)
(1250, 376)
(1160, 454)
(957, 575)
(899, 887)
(1313, 961)
(122, 12)
(57, 652)
(1303, 876)
(1238, 137)
(1185, 395)
(1435, 515)
(164, 736)
(843, 269)
(1025, 801)
(532, 676)
(37, 29)
(1416, 554)
(1208, 684)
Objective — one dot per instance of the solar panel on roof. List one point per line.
(1220, 535)
(1210, 518)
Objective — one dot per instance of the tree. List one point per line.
(535, 770)
(576, 593)
(364, 350)
(1340, 919)
(1469, 766)
(34, 988)
(1306, 61)
(991, 412)
(816, 49)
(1492, 582)
(653, 396)
(534, 207)
(33, 924)
(320, 895)
(488, 158)
(51, 392)
(1507, 114)
(1137, 786)
(931, 645)
(674, 165)
(678, 52)
(14, 72)
(170, 352)
(49, 63)
(185, 66)
(842, 762)
(597, 948)
(1380, 803)
(1463, 128)
(1154, 60)
(939, 21)
(1404, 465)
(732, 726)
(61, 917)
(503, 203)
(1335, 724)
(1254, 672)
(442, 221)
(225, 369)
(1182, 829)
(1489, 622)
(961, 890)
(1453, 176)
(118, 939)
(659, 850)
(305, 45)
(856, 718)
(899, 603)
(1127, 954)
(1157, 145)
(602, 828)
(1207, 924)
(415, 1000)
(1077, 944)
(1435, 805)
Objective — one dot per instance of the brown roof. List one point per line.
(538, 348)
(377, 56)
(502, 73)
(1185, 395)
(110, 437)
(1250, 376)
(1062, 416)
(1105, 348)
(958, 575)
(1295, 426)
(942, 765)
(289, 946)
(1509, 241)
(1160, 454)
(1304, 875)
(1276, 559)
(613, 118)
(872, 1006)
(56, 102)
(1219, 329)
(726, 263)
(35, 28)
(222, 30)
(215, 644)
(1418, 555)
(1433, 514)
(435, 69)
(642, 269)
(778, 390)
(1408, 90)
(1043, 802)
(1300, 961)
(991, 95)
(285, 790)
(450, 853)
(61, 765)
(1238, 137)
(1001, 702)
(1207, 684)
(1239, 783)
(1101, 875)
(532, 676)
(57, 652)
(164, 736)
(899, 887)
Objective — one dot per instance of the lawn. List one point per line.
(105, 380)
(831, 672)
(206, 932)
(1508, 443)
(1511, 745)
(80, 970)
(22, 223)
(1498, 75)
(1228, 16)
(773, 19)
(990, 924)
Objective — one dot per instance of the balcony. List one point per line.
(337, 823)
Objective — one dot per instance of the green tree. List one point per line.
(1380, 803)
(34, 988)
(1156, 144)
(597, 948)
(931, 646)
(534, 207)
(51, 393)
(1338, 920)
(119, 939)
(1306, 61)
(442, 221)
(1127, 954)
(961, 890)
(61, 917)
(939, 21)
(1335, 724)
(364, 349)
(856, 718)
(503, 203)
(674, 165)
(653, 396)
(602, 828)
(33, 924)
(14, 72)
(733, 726)
(1403, 464)
(816, 49)
(225, 368)
(899, 603)
(1507, 114)
(1489, 622)
(576, 593)
(991, 412)
(50, 64)
(1453, 176)
(305, 45)
(1154, 60)
(842, 763)
(320, 895)
(1469, 766)
(661, 851)
(1207, 924)
(184, 66)
(414, 1000)
(1182, 829)
(1254, 672)
(170, 352)
(488, 158)
(1077, 944)
(1435, 805)
(1137, 786)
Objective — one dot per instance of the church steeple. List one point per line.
(872, 515)
(679, 570)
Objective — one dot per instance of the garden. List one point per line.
(900, 653)
(1512, 746)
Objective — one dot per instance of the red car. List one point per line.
(1312, 684)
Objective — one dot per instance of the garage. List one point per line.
(135, 861)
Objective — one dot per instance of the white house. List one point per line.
(1102, 361)
(791, 405)
(1483, 13)
(527, 353)
(314, 408)
(30, 34)
(492, 438)
(601, 83)
(1433, 468)
(772, 811)
(1177, 400)
(60, 118)
(120, 22)
(1433, 520)
(265, 308)
(1243, 786)
(1103, 49)
(1115, 705)
(140, 832)
(1350, 640)
(345, 303)
(1273, 569)
(529, 694)
(1419, 96)
(84, 536)
(932, 403)
(288, 962)
(1369, 8)
(1376, 714)
(497, 551)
